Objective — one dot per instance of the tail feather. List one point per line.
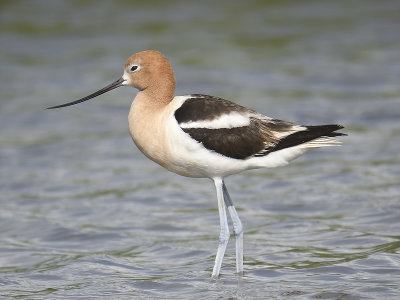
(312, 137)
(322, 142)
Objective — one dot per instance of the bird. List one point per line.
(203, 136)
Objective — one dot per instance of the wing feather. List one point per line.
(237, 132)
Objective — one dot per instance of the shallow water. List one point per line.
(83, 214)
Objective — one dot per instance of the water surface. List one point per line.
(83, 214)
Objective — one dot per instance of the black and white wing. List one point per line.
(237, 132)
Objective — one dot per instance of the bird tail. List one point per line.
(323, 142)
(312, 137)
(322, 135)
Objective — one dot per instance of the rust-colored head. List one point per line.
(148, 71)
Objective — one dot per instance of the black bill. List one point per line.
(109, 87)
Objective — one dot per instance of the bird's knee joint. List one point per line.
(238, 229)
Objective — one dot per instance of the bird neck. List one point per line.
(153, 99)
(159, 92)
(158, 95)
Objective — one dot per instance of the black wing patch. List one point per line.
(238, 142)
(205, 108)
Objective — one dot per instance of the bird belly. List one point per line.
(159, 137)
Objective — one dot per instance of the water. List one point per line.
(83, 214)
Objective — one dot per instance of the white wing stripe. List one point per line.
(231, 120)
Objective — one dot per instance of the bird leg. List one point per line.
(224, 231)
(225, 200)
(237, 229)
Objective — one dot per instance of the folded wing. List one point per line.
(237, 132)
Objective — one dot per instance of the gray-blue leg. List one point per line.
(237, 229)
(224, 231)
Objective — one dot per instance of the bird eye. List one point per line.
(134, 68)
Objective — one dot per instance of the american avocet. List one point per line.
(204, 136)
